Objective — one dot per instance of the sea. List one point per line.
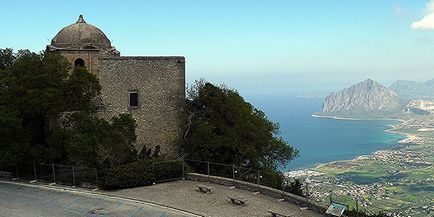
(323, 140)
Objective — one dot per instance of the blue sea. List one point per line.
(322, 140)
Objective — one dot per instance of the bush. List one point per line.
(139, 173)
(168, 170)
(272, 179)
(295, 188)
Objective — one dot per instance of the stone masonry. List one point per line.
(158, 83)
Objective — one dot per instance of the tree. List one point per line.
(7, 58)
(92, 141)
(222, 127)
(32, 87)
(48, 113)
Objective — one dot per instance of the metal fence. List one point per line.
(164, 171)
(56, 173)
(174, 170)
(230, 171)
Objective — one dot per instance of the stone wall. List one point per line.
(90, 57)
(292, 198)
(160, 83)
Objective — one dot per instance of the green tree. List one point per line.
(48, 113)
(32, 87)
(7, 57)
(223, 127)
(93, 141)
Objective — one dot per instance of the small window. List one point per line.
(79, 62)
(134, 99)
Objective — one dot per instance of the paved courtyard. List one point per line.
(17, 200)
(183, 195)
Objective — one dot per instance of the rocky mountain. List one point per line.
(365, 98)
(414, 89)
(420, 106)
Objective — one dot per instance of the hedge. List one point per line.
(139, 173)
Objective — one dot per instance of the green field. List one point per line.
(400, 181)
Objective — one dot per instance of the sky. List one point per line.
(275, 47)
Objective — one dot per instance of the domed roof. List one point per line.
(81, 35)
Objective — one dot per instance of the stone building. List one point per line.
(151, 89)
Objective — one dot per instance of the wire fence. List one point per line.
(164, 171)
(230, 171)
(56, 173)
(322, 194)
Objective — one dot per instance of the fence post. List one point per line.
(54, 173)
(233, 172)
(357, 207)
(153, 173)
(183, 169)
(96, 176)
(307, 194)
(73, 176)
(16, 170)
(330, 197)
(259, 179)
(207, 164)
(34, 169)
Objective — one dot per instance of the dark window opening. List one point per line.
(79, 62)
(134, 99)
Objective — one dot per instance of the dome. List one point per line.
(81, 35)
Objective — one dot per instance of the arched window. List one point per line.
(79, 62)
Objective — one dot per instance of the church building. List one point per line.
(150, 88)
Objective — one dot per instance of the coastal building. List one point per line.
(150, 88)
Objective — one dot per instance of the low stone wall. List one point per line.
(292, 198)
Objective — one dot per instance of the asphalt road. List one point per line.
(19, 201)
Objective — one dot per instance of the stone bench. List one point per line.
(237, 200)
(275, 214)
(204, 189)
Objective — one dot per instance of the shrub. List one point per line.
(168, 170)
(139, 173)
(295, 187)
(272, 178)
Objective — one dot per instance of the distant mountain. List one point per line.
(413, 89)
(365, 99)
(421, 107)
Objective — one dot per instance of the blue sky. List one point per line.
(271, 47)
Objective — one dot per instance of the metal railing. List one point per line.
(230, 171)
(56, 173)
(171, 170)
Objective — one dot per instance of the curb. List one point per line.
(95, 193)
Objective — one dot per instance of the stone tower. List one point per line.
(83, 45)
(151, 89)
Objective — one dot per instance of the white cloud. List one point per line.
(430, 7)
(427, 22)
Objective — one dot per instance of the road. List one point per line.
(32, 201)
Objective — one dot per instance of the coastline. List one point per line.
(356, 119)
(408, 139)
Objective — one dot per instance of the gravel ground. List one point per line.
(184, 195)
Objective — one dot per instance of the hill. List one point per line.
(365, 99)
(413, 89)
